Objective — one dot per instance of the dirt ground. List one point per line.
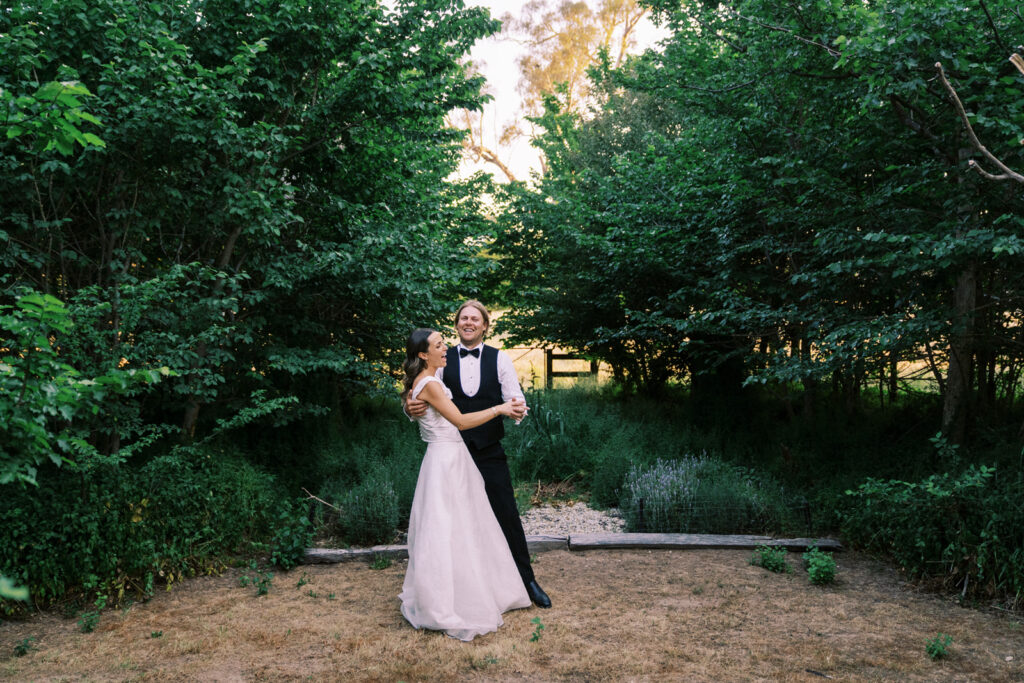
(618, 616)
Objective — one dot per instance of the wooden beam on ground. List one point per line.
(827, 544)
(690, 542)
(536, 544)
(335, 555)
(540, 543)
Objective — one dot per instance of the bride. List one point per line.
(461, 574)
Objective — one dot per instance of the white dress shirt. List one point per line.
(469, 374)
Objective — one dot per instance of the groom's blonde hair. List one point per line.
(484, 313)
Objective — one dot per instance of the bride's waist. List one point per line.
(442, 438)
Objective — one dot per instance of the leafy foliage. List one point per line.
(965, 527)
(42, 396)
(269, 211)
(820, 565)
(123, 529)
(293, 534)
(937, 647)
(768, 200)
(772, 559)
(250, 203)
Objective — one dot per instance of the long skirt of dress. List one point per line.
(461, 575)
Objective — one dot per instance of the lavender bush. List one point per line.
(699, 494)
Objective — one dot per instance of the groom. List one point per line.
(479, 377)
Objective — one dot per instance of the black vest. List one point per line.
(489, 394)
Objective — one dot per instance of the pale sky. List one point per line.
(497, 59)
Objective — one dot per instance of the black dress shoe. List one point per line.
(537, 594)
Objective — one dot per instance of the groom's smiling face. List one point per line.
(470, 326)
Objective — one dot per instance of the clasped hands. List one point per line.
(516, 408)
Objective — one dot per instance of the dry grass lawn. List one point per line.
(618, 616)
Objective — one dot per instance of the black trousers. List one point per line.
(493, 466)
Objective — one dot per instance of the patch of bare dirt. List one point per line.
(618, 616)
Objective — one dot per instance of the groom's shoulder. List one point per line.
(496, 352)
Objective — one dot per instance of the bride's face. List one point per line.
(436, 350)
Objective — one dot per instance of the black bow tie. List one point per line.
(466, 352)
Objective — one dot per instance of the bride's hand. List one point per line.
(506, 409)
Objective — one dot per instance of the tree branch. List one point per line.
(1007, 173)
(995, 32)
(490, 156)
(738, 48)
(1018, 62)
(320, 500)
(719, 90)
(828, 48)
(901, 108)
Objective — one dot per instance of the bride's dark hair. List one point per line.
(413, 364)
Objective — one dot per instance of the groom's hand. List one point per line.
(518, 409)
(415, 407)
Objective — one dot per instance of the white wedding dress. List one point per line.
(461, 575)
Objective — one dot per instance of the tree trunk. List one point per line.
(810, 382)
(958, 378)
(188, 423)
(894, 377)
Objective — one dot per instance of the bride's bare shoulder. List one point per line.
(421, 386)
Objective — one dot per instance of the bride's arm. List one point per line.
(433, 395)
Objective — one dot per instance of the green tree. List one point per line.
(773, 200)
(270, 210)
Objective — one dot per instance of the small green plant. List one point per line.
(380, 561)
(698, 590)
(937, 647)
(312, 593)
(155, 634)
(330, 596)
(24, 647)
(536, 632)
(263, 583)
(88, 621)
(303, 580)
(263, 580)
(484, 662)
(821, 566)
(772, 559)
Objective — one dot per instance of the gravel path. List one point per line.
(575, 518)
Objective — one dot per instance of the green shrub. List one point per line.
(613, 458)
(772, 559)
(127, 527)
(293, 534)
(821, 566)
(368, 513)
(381, 446)
(966, 527)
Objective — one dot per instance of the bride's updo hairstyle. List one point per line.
(413, 364)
